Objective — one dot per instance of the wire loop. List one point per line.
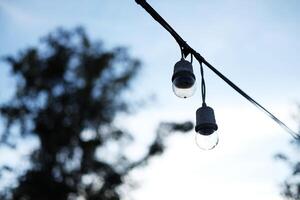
(203, 86)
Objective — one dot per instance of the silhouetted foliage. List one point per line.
(69, 91)
(291, 186)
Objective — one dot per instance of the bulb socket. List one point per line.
(205, 121)
(183, 71)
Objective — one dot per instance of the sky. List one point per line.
(254, 43)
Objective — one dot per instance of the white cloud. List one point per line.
(242, 164)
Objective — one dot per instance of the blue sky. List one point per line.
(255, 43)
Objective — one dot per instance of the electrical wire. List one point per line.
(186, 50)
(163, 22)
(203, 86)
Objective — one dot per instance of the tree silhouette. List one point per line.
(291, 186)
(69, 91)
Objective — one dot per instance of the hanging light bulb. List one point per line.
(183, 79)
(207, 142)
(206, 126)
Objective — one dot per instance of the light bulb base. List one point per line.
(183, 79)
(205, 121)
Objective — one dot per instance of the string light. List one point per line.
(205, 119)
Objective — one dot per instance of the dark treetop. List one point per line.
(66, 88)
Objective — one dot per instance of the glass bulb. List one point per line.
(184, 86)
(207, 142)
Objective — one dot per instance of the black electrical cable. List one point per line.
(186, 49)
(203, 86)
(163, 22)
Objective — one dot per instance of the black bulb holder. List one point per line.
(183, 79)
(183, 75)
(205, 120)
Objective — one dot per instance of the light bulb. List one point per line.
(207, 142)
(183, 87)
(183, 79)
(206, 126)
